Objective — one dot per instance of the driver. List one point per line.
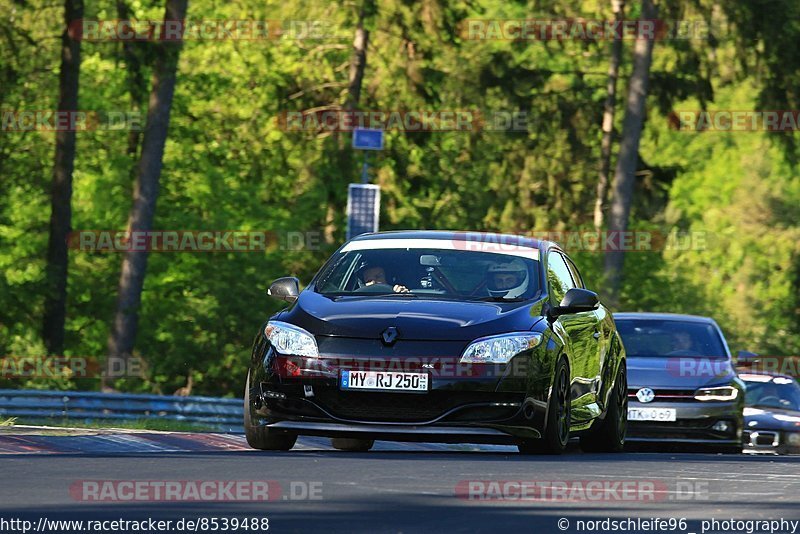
(375, 274)
(681, 341)
(507, 280)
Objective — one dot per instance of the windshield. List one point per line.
(668, 338)
(374, 268)
(772, 392)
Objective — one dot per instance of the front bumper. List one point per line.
(768, 441)
(489, 406)
(411, 433)
(694, 423)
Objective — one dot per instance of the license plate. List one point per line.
(652, 414)
(384, 381)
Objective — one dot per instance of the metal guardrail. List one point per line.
(214, 413)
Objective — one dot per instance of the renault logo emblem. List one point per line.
(390, 335)
(645, 395)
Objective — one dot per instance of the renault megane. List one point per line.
(443, 337)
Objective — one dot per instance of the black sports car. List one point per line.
(771, 414)
(443, 337)
(683, 388)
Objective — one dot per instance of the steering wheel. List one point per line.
(375, 288)
(770, 400)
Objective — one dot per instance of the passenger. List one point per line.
(507, 280)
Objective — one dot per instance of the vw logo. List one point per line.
(389, 335)
(645, 395)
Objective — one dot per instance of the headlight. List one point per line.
(290, 339)
(793, 439)
(724, 393)
(500, 349)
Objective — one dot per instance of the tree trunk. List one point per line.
(344, 154)
(55, 306)
(137, 86)
(134, 264)
(358, 62)
(608, 119)
(625, 174)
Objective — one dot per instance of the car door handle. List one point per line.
(596, 335)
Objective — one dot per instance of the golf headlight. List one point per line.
(290, 339)
(500, 349)
(724, 393)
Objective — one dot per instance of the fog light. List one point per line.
(722, 426)
(274, 394)
(793, 439)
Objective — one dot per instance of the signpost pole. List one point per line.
(364, 199)
(365, 169)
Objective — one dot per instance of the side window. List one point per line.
(576, 275)
(558, 277)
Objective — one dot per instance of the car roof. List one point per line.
(464, 235)
(664, 317)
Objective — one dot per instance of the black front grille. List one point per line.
(667, 395)
(406, 407)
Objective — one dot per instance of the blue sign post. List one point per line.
(367, 139)
(364, 199)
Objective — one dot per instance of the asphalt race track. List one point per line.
(395, 487)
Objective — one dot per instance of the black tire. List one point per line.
(352, 445)
(261, 437)
(556, 433)
(609, 435)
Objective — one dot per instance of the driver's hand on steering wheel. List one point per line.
(400, 289)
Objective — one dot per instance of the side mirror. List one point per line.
(745, 357)
(575, 301)
(286, 288)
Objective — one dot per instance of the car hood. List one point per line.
(678, 372)
(771, 419)
(414, 318)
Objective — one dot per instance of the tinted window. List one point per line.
(558, 277)
(653, 337)
(459, 274)
(777, 393)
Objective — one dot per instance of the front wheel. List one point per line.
(556, 433)
(261, 437)
(610, 435)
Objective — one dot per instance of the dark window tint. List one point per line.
(771, 394)
(653, 337)
(452, 274)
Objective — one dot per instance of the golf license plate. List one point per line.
(652, 414)
(384, 381)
